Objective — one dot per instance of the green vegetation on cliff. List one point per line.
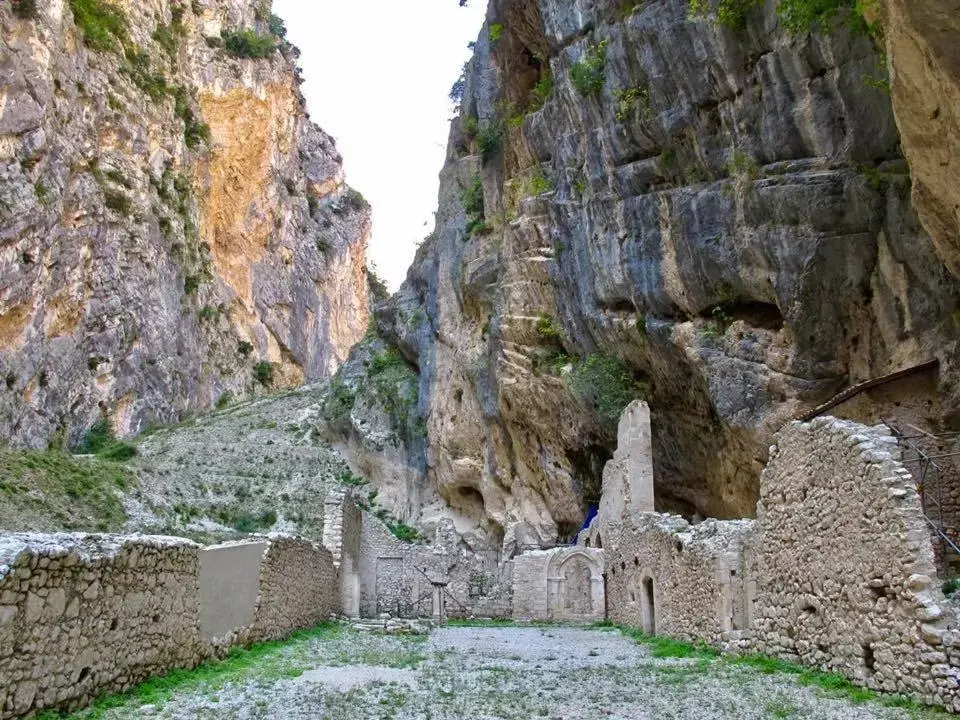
(54, 491)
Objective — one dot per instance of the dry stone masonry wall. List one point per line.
(844, 565)
(85, 614)
(837, 571)
(687, 581)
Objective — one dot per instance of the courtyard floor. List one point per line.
(487, 672)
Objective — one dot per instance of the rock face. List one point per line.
(925, 61)
(641, 203)
(170, 219)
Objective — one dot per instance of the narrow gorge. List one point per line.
(678, 360)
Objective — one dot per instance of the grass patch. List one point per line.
(100, 440)
(665, 647)
(102, 24)
(273, 660)
(52, 490)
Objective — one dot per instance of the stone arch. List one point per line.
(575, 581)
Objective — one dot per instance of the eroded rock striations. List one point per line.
(638, 202)
(172, 226)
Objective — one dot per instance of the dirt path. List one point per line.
(481, 673)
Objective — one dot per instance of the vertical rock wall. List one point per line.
(638, 202)
(169, 218)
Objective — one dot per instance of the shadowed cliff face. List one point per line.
(169, 218)
(716, 220)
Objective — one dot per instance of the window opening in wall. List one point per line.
(636, 561)
(868, 659)
(113, 624)
(599, 541)
(84, 674)
(649, 607)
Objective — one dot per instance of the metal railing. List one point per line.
(929, 472)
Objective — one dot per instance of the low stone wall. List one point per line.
(81, 615)
(687, 581)
(844, 564)
(560, 584)
(299, 588)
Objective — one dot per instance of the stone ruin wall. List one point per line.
(912, 404)
(563, 584)
(672, 578)
(381, 574)
(837, 571)
(298, 588)
(81, 615)
(844, 566)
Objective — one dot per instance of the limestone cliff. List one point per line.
(638, 201)
(173, 228)
(925, 79)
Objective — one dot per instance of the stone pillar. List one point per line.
(333, 525)
(628, 477)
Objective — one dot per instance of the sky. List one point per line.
(378, 74)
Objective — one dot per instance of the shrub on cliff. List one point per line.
(604, 382)
(101, 441)
(247, 43)
(263, 372)
(473, 197)
(589, 74)
(103, 25)
(488, 141)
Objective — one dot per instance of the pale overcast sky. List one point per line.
(377, 77)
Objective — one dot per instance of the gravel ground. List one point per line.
(483, 673)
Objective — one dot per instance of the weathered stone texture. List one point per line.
(81, 615)
(694, 573)
(298, 587)
(559, 584)
(921, 42)
(844, 567)
(144, 278)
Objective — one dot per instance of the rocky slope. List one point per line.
(173, 228)
(709, 211)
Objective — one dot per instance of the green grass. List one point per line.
(273, 660)
(101, 441)
(102, 24)
(52, 490)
